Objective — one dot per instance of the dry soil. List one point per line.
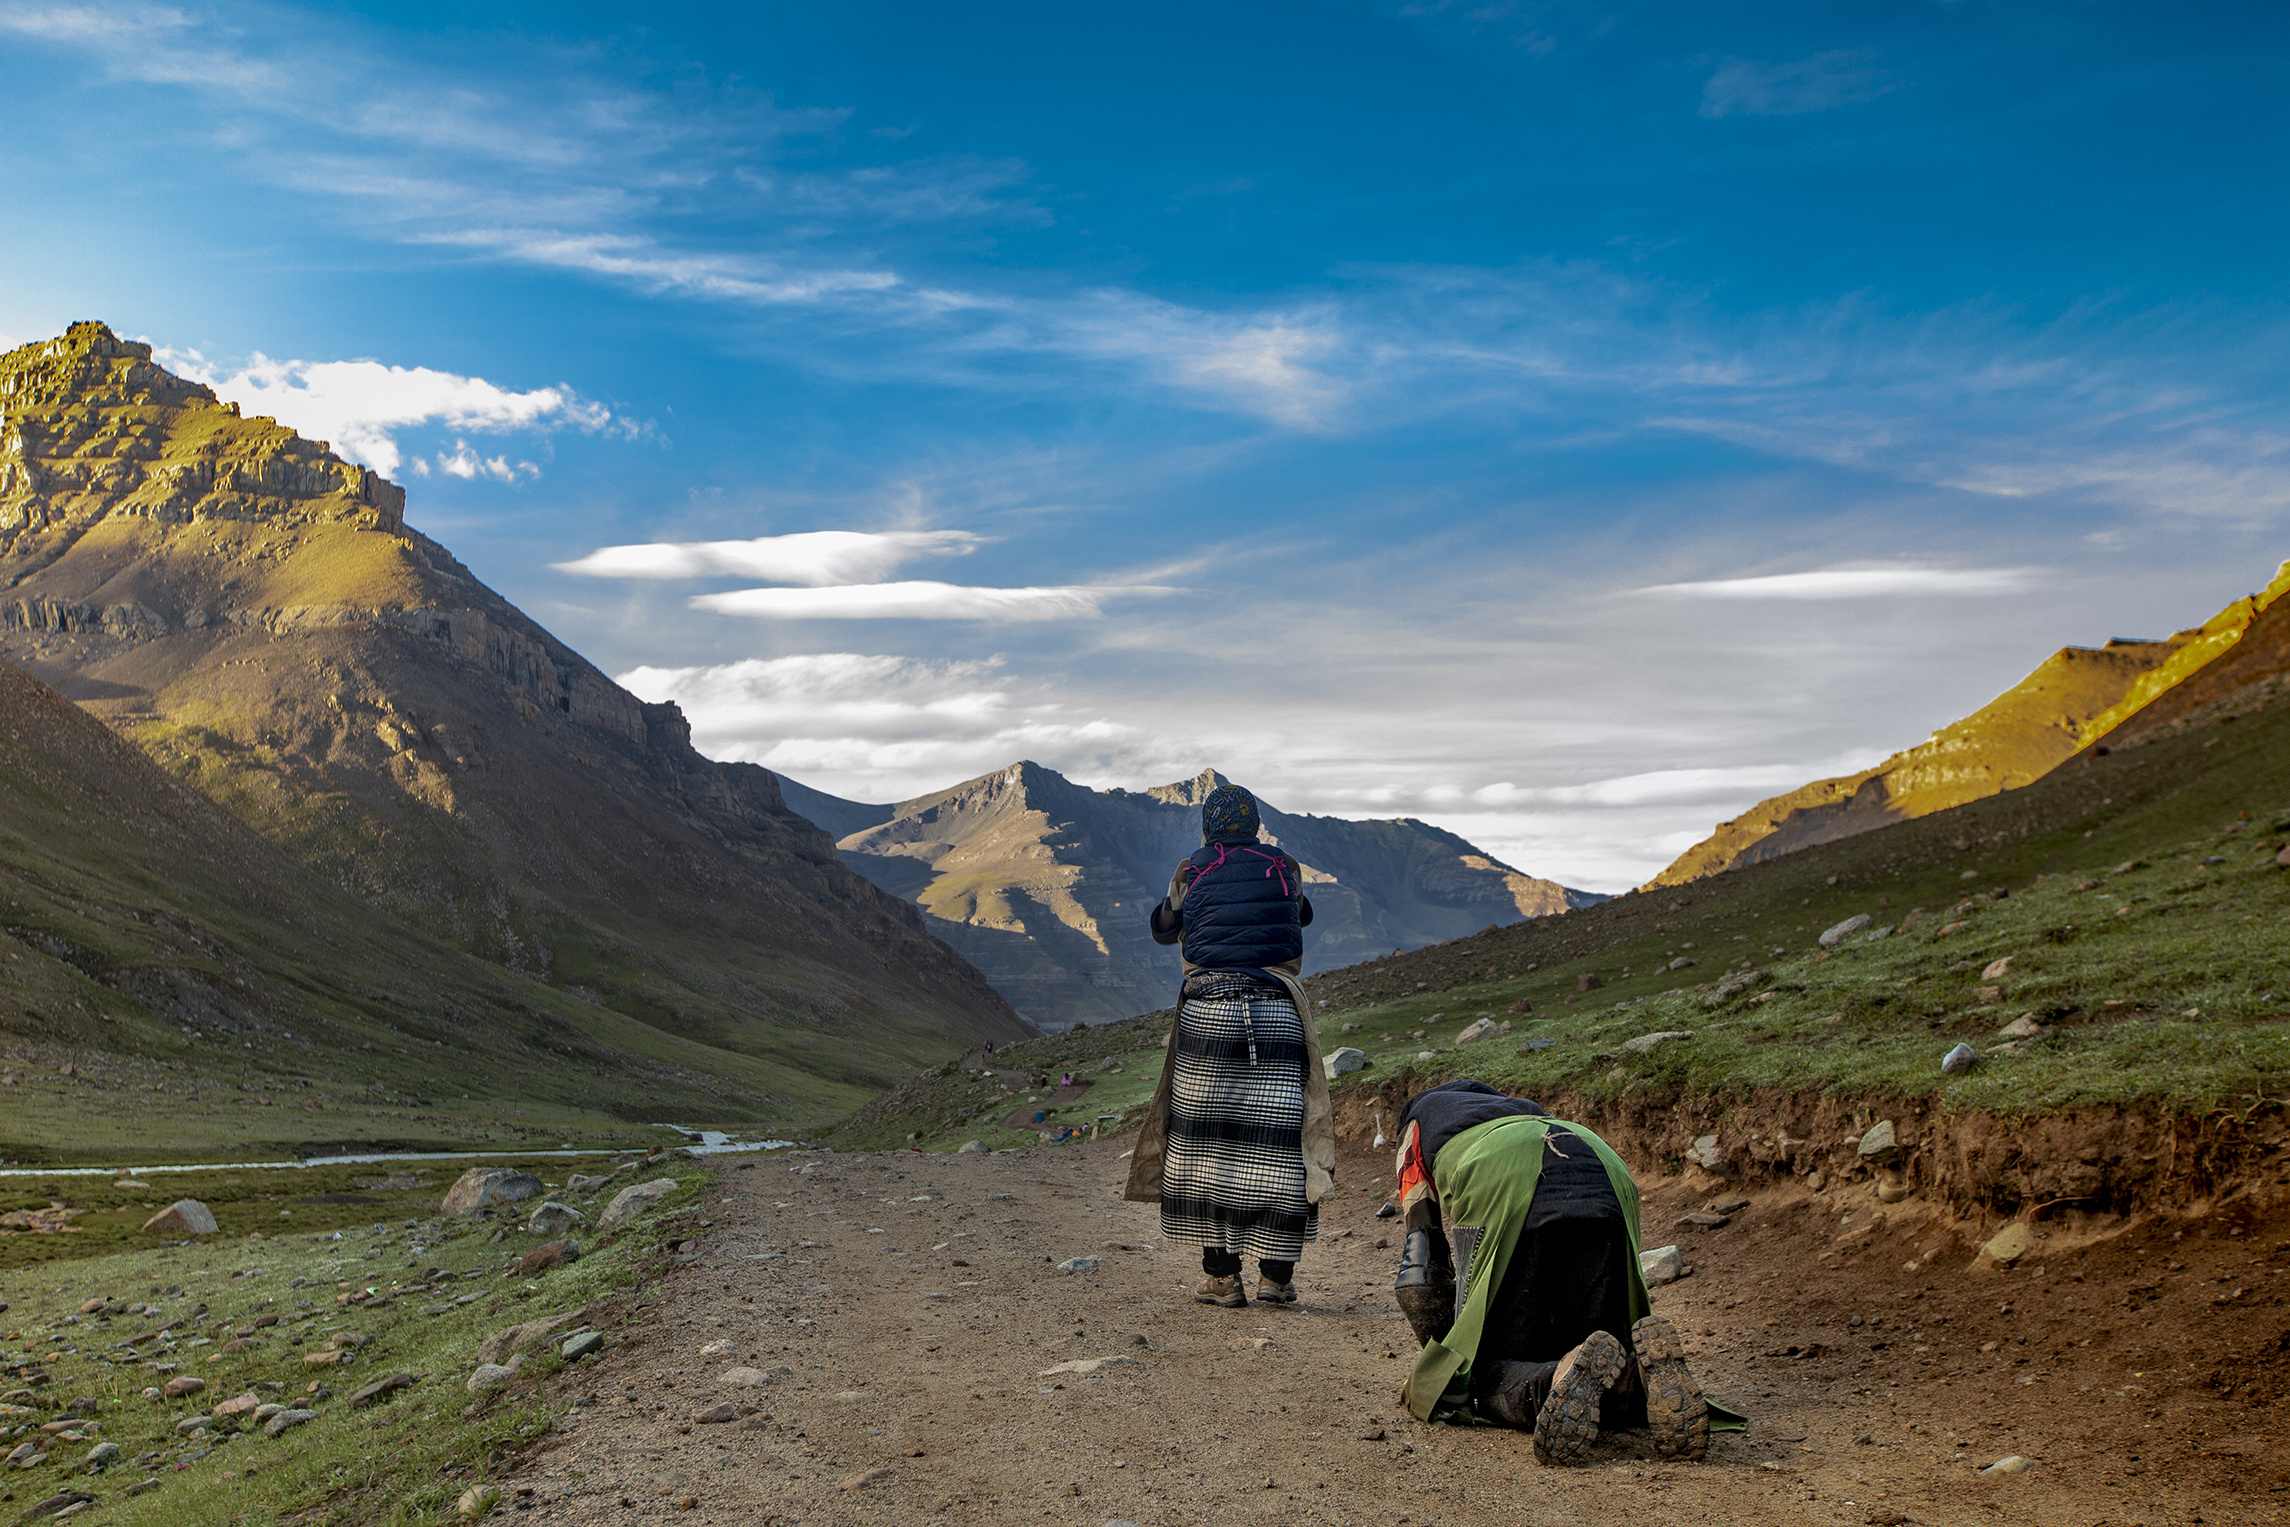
(921, 1341)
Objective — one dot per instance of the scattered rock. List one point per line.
(871, 1477)
(1733, 986)
(1729, 1205)
(1587, 983)
(577, 1183)
(265, 1411)
(243, 1405)
(1878, 1143)
(1086, 1365)
(1894, 1190)
(1682, 962)
(1664, 1264)
(1702, 1219)
(489, 1376)
(498, 1346)
(381, 1389)
(1076, 1265)
(1645, 1042)
(1963, 1057)
(287, 1420)
(743, 1378)
(58, 1504)
(2023, 1027)
(1484, 1028)
(2011, 1464)
(185, 1216)
(586, 1344)
(1343, 1062)
(541, 1258)
(972, 1148)
(176, 1389)
(1845, 930)
(1996, 970)
(482, 1187)
(630, 1202)
(717, 1414)
(2283, 858)
(477, 1500)
(100, 1457)
(552, 1217)
(2008, 1245)
(1522, 1006)
(1706, 1154)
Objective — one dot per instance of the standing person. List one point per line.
(1239, 1146)
(1552, 1329)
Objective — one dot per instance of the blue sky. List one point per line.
(1382, 403)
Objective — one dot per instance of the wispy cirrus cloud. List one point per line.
(924, 601)
(1855, 583)
(816, 558)
(1744, 88)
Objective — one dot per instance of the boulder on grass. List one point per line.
(552, 1218)
(630, 1202)
(482, 1187)
(185, 1216)
(541, 1258)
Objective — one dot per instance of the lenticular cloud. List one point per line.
(814, 558)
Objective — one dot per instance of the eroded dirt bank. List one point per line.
(909, 1314)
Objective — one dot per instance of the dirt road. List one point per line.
(921, 1346)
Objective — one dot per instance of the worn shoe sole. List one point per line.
(1676, 1414)
(1236, 1300)
(1566, 1426)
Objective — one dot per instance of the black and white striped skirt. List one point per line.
(1233, 1171)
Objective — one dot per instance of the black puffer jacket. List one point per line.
(1243, 907)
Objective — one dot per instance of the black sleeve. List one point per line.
(1168, 923)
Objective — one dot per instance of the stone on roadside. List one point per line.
(717, 1414)
(1962, 1058)
(1706, 1153)
(743, 1378)
(632, 1201)
(498, 1347)
(1878, 1143)
(1345, 1061)
(586, 1344)
(1483, 1028)
(541, 1258)
(1645, 1042)
(1076, 1265)
(2010, 1464)
(483, 1187)
(1845, 930)
(380, 1389)
(185, 1216)
(1702, 1219)
(477, 1500)
(578, 1183)
(176, 1389)
(2008, 1245)
(287, 1420)
(972, 1148)
(552, 1217)
(1663, 1264)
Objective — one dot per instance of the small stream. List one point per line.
(712, 1142)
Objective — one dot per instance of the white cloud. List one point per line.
(921, 601)
(816, 558)
(1744, 88)
(1855, 583)
(360, 407)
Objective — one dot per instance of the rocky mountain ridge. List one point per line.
(1046, 884)
(2078, 698)
(255, 614)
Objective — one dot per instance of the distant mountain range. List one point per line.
(1046, 884)
(253, 613)
(2079, 698)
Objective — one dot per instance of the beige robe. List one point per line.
(1144, 1185)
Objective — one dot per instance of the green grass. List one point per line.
(403, 1461)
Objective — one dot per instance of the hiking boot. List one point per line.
(1567, 1423)
(1225, 1291)
(1676, 1413)
(1269, 1292)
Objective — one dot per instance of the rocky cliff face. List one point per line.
(1046, 885)
(2078, 698)
(254, 612)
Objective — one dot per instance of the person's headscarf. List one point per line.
(1229, 816)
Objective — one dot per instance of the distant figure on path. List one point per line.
(1552, 1329)
(1239, 1146)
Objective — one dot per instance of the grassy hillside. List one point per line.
(2137, 896)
